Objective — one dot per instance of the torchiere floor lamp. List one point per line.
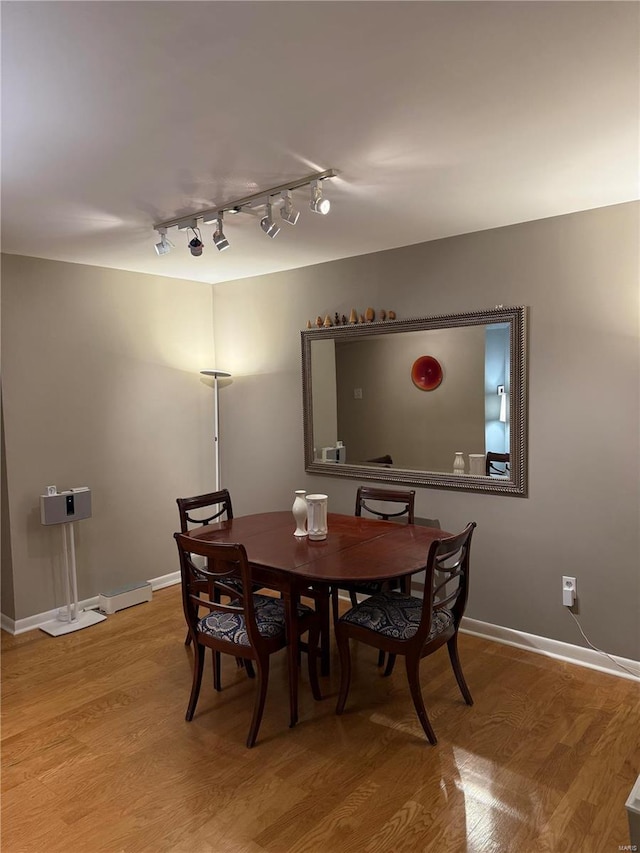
(216, 437)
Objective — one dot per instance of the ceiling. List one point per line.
(441, 118)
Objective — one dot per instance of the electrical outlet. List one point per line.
(568, 591)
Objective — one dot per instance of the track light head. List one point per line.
(268, 225)
(318, 204)
(165, 245)
(287, 211)
(219, 240)
(196, 245)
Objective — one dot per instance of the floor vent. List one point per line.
(126, 596)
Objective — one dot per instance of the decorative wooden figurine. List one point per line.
(353, 317)
(319, 321)
(327, 322)
(344, 319)
(370, 315)
(308, 324)
(361, 318)
(336, 319)
(383, 314)
(391, 315)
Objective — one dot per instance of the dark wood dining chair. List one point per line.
(198, 511)
(402, 624)
(364, 498)
(490, 464)
(216, 506)
(250, 625)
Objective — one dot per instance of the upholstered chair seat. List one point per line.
(394, 614)
(270, 619)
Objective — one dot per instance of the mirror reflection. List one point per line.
(429, 402)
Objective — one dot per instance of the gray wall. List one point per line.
(418, 429)
(100, 388)
(579, 276)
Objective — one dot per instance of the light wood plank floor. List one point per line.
(97, 756)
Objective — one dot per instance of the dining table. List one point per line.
(355, 549)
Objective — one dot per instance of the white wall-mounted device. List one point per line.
(568, 591)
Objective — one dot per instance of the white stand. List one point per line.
(73, 619)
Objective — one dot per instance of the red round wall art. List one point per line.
(426, 373)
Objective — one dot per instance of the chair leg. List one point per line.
(312, 661)
(452, 648)
(390, 664)
(345, 669)
(413, 675)
(262, 665)
(334, 605)
(187, 639)
(353, 597)
(322, 603)
(381, 658)
(198, 666)
(217, 684)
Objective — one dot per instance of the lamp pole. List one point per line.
(216, 436)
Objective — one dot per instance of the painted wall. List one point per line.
(579, 276)
(434, 424)
(101, 388)
(323, 396)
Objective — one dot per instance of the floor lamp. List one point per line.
(216, 443)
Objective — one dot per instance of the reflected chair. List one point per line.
(492, 468)
(382, 460)
(402, 624)
(250, 626)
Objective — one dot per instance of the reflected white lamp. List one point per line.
(503, 404)
(216, 427)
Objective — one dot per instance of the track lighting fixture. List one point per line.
(268, 225)
(287, 211)
(252, 204)
(196, 244)
(219, 240)
(165, 245)
(318, 203)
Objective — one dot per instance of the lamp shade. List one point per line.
(214, 372)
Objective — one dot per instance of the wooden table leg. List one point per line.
(322, 604)
(291, 614)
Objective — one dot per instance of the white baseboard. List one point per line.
(31, 623)
(165, 580)
(580, 655)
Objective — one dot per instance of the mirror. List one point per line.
(401, 401)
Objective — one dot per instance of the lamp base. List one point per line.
(56, 628)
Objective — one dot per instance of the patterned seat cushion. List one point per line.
(270, 618)
(395, 615)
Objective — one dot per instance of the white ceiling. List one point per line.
(441, 118)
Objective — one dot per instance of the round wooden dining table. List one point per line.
(356, 549)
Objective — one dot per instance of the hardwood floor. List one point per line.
(97, 756)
